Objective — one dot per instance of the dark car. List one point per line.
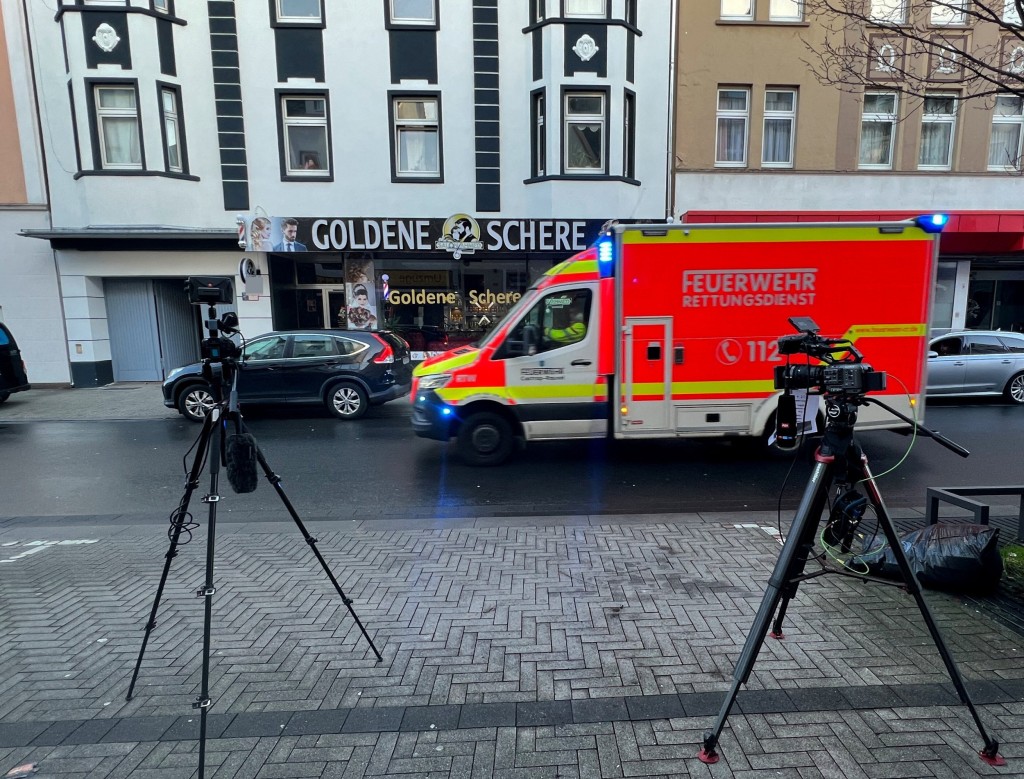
(346, 370)
(12, 368)
(977, 362)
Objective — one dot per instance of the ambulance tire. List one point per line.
(485, 438)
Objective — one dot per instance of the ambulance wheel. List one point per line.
(485, 439)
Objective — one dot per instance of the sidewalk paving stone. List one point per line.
(521, 648)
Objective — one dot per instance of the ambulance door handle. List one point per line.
(678, 355)
(580, 362)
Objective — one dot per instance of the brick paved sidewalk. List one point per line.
(540, 647)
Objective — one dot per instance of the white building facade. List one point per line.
(441, 155)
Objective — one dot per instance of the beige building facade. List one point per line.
(758, 136)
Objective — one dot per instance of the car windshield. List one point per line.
(513, 313)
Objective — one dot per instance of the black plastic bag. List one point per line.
(944, 556)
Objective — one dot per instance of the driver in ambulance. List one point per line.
(574, 331)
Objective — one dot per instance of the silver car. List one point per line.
(977, 362)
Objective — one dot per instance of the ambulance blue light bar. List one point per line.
(605, 256)
(932, 223)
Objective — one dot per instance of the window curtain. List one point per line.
(1004, 148)
(731, 133)
(935, 144)
(777, 133)
(418, 151)
(121, 141)
(875, 142)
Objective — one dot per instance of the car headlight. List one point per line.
(434, 381)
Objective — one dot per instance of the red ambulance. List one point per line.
(679, 334)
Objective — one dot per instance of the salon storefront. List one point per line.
(440, 283)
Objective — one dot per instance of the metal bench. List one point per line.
(957, 497)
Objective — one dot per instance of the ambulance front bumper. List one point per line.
(432, 417)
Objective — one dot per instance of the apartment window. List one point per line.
(731, 134)
(117, 125)
(417, 12)
(786, 10)
(1010, 13)
(629, 135)
(888, 11)
(173, 142)
(949, 12)
(938, 128)
(1004, 148)
(737, 9)
(779, 128)
(306, 140)
(540, 148)
(417, 134)
(877, 129)
(593, 8)
(298, 11)
(584, 139)
(163, 6)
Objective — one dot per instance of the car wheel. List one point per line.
(485, 439)
(4, 396)
(347, 401)
(1015, 389)
(195, 402)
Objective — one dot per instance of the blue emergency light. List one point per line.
(932, 223)
(605, 256)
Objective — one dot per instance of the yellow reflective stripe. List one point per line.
(704, 387)
(446, 365)
(455, 394)
(573, 266)
(766, 232)
(885, 331)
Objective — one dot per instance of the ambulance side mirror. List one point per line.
(514, 347)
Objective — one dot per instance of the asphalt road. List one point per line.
(376, 468)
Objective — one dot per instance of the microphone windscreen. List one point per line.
(240, 461)
(785, 422)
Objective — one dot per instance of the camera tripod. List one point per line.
(211, 446)
(840, 460)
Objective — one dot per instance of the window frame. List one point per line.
(96, 125)
(567, 14)
(629, 134)
(277, 19)
(538, 135)
(799, 17)
(391, 23)
(747, 17)
(398, 177)
(892, 118)
(162, 7)
(901, 18)
(174, 90)
(604, 93)
(1016, 119)
(958, 18)
(943, 119)
(730, 113)
(777, 115)
(287, 172)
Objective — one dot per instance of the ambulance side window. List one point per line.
(558, 319)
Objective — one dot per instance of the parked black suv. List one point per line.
(346, 370)
(12, 368)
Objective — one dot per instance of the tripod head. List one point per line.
(219, 353)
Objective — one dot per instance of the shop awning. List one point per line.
(968, 232)
(136, 238)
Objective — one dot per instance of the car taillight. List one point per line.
(388, 354)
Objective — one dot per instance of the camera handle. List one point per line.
(922, 430)
(844, 463)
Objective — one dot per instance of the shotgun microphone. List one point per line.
(785, 422)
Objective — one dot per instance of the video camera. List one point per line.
(211, 290)
(844, 372)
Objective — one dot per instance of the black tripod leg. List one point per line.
(179, 521)
(990, 754)
(789, 565)
(274, 479)
(203, 701)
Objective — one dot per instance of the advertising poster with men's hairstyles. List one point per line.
(361, 295)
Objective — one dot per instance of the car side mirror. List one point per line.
(932, 354)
